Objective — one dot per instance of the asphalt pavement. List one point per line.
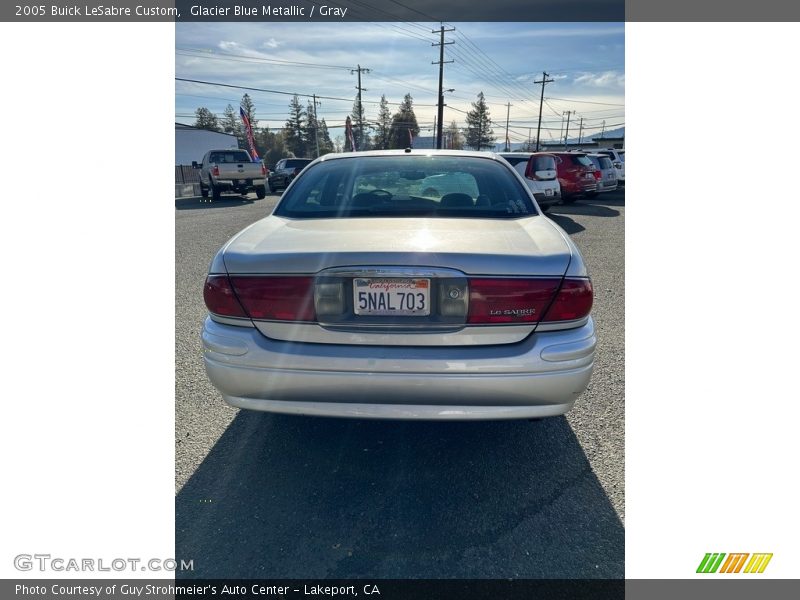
(269, 496)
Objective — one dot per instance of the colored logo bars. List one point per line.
(734, 563)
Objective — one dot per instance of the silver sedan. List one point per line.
(367, 293)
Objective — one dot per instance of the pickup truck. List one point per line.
(231, 170)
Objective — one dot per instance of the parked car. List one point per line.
(285, 171)
(360, 296)
(605, 173)
(540, 172)
(618, 160)
(231, 171)
(575, 175)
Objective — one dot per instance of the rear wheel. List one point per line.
(203, 191)
(261, 192)
(215, 193)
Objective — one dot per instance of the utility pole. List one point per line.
(603, 133)
(580, 133)
(544, 81)
(316, 123)
(508, 112)
(360, 70)
(566, 133)
(440, 112)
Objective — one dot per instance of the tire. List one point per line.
(203, 191)
(215, 193)
(261, 193)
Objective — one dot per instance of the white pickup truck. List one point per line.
(231, 170)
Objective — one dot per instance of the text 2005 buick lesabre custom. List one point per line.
(370, 293)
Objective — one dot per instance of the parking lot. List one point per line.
(262, 495)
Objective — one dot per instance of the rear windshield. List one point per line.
(229, 157)
(596, 162)
(581, 159)
(515, 160)
(297, 162)
(544, 163)
(605, 162)
(406, 186)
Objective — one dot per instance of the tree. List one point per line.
(325, 143)
(311, 130)
(453, 137)
(250, 110)
(231, 124)
(205, 119)
(381, 139)
(479, 125)
(404, 122)
(294, 130)
(360, 127)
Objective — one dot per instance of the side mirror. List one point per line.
(196, 165)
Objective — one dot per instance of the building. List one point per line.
(192, 143)
(593, 144)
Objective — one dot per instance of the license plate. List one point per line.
(548, 192)
(241, 181)
(395, 297)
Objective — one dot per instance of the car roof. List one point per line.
(412, 152)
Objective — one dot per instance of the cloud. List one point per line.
(604, 79)
(223, 45)
(271, 43)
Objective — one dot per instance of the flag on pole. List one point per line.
(348, 128)
(249, 131)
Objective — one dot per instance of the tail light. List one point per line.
(573, 301)
(491, 301)
(220, 298)
(215, 171)
(276, 298)
(598, 175)
(528, 300)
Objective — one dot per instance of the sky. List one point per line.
(502, 60)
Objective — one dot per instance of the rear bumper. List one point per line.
(232, 184)
(543, 200)
(538, 377)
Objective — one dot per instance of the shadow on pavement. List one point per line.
(564, 222)
(282, 496)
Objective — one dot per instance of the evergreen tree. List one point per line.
(360, 126)
(294, 130)
(403, 122)
(232, 124)
(250, 111)
(453, 137)
(205, 119)
(325, 143)
(381, 139)
(311, 131)
(479, 125)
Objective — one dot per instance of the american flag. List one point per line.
(249, 131)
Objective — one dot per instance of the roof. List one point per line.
(185, 127)
(410, 152)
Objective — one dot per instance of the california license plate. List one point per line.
(395, 297)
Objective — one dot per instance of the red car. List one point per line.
(575, 175)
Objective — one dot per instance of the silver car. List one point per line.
(361, 296)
